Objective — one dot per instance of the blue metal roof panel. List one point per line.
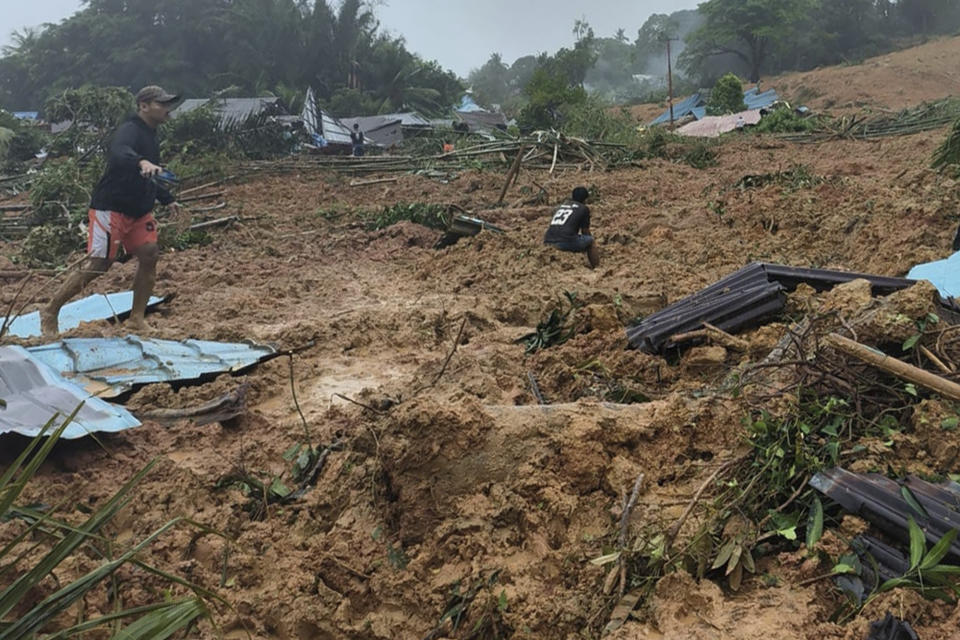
(681, 109)
(756, 100)
(112, 366)
(96, 307)
(34, 394)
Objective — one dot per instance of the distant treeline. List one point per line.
(748, 38)
(198, 47)
(279, 47)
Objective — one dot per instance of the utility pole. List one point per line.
(669, 79)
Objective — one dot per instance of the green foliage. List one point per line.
(197, 47)
(785, 120)
(948, 153)
(595, 120)
(434, 216)
(701, 155)
(926, 574)
(789, 450)
(798, 176)
(549, 98)
(168, 238)
(56, 545)
(58, 193)
(94, 113)
(49, 245)
(726, 96)
(556, 328)
(192, 133)
(657, 142)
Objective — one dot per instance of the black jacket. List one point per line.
(122, 188)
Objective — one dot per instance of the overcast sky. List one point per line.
(459, 34)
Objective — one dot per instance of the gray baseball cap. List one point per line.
(153, 93)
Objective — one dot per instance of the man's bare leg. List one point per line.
(593, 255)
(143, 282)
(74, 284)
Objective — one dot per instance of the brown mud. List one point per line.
(450, 478)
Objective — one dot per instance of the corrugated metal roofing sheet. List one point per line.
(483, 120)
(757, 100)
(318, 121)
(34, 394)
(96, 307)
(713, 126)
(233, 110)
(381, 130)
(881, 501)
(109, 367)
(696, 105)
(742, 298)
(409, 119)
(681, 109)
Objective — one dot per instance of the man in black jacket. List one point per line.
(121, 210)
(569, 228)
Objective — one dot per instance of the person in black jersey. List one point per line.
(569, 228)
(121, 210)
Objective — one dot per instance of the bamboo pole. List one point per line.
(944, 387)
(511, 174)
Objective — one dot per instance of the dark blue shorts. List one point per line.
(578, 244)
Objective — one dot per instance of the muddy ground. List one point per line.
(449, 477)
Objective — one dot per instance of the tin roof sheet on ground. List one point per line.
(99, 306)
(34, 394)
(109, 367)
(944, 274)
(696, 105)
(713, 126)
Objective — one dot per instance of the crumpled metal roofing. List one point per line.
(409, 119)
(882, 502)
(233, 110)
(99, 306)
(109, 367)
(318, 121)
(34, 394)
(696, 105)
(714, 126)
(743, 298)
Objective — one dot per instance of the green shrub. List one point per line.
(726, 96)
(594, 120)
(26, 611)
(49, 245)
(785, 120)
(948, 153)
(59, 193)
(550, 98)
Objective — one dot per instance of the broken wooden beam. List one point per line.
(512, 174)
(898, 368)
(717, 334)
